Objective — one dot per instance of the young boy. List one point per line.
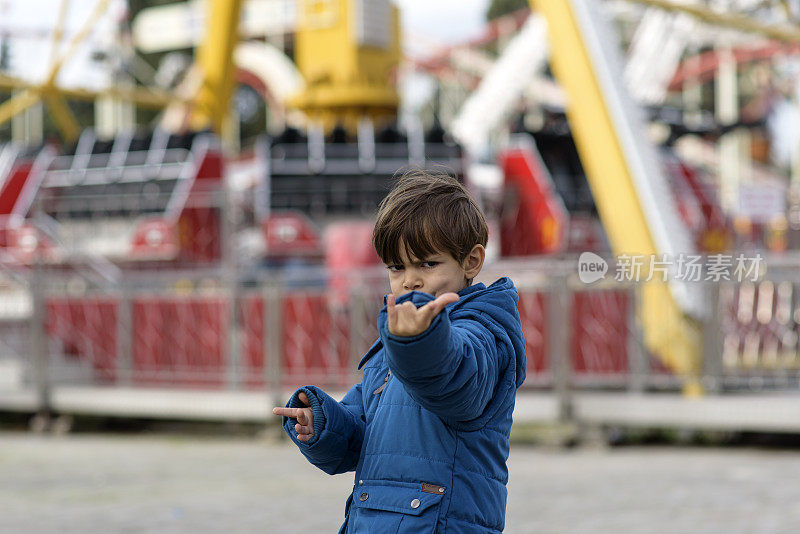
(427, 430)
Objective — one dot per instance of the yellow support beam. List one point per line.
(56, 97)
(734, 21)
(148, 98)
(211, 105)
(79, 37)
(17, 104)
(63, 117)
(52, 95)
(58, 33)
(668, 332)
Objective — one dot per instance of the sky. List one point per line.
(427, 26)
(31, 24)
(441, 21)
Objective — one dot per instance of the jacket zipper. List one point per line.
(385, 380)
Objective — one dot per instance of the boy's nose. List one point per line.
(411, 284)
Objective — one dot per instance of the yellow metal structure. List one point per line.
(668, 332)
(735, 21)
(18, 103)
(209, 107)
(48, 91)
(215, 61)
(347, 51)
(148, 98)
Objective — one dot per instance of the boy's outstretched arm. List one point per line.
(328, 433)
(450, 370)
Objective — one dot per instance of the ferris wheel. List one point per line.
(93, 52)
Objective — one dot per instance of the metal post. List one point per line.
(273, 342)
(231, 284)
(559, 308)
(234, 354)
(712, 365)
(637, 354)
(356, 327)
(125, 336)
(727, 112)
(38, 340)
(27, 127)
(692, 92)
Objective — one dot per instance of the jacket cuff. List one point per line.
(316, 409)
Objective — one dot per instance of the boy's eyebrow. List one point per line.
(427, 259)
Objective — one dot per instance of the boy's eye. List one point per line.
(426, 264)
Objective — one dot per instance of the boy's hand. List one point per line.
(407, 320)
(304, 416)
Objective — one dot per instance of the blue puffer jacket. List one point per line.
(427, 430)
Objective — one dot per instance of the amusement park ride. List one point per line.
(149, 199)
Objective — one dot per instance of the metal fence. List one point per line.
(212, 330)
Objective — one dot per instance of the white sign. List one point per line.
(761, 203)
(182, 25)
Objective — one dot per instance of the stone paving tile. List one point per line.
(169, 484)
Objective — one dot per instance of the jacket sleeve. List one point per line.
(338, 429)
(450, 369)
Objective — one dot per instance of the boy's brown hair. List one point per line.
(428, 212)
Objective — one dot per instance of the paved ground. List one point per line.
(168, 484)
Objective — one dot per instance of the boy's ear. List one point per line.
(473, 263)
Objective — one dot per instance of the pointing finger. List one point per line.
(286, 412)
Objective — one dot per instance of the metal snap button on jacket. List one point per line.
(415, 503)
(364, 497)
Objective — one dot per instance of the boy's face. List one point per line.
(436, 274)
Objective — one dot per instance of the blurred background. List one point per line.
(187, 194)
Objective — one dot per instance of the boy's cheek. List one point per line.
(396, 287)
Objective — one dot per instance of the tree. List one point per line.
(5, 54)
(498, 8)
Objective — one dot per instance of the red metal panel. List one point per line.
(252, 313)
(86, 327)
(290, 234)
(184, 340)
(532, 313)
(534, 219)
(180, 340)
(348, 249)
(312, 350)
(599, 340)
(11, 188)
(145, 322)
(199, 234)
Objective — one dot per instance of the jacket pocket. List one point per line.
(394, 507)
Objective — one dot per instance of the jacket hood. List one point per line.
(498, 301)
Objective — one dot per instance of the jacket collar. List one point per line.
(370, 353)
